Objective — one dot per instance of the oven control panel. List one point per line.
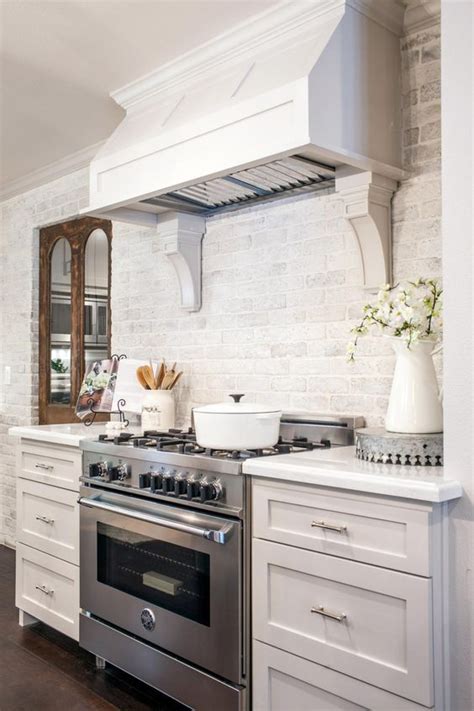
(188, 486)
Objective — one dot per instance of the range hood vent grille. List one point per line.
(293, 173)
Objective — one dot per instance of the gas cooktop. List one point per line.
(184, 442)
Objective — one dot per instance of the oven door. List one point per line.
(172, 577)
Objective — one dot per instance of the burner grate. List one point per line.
(184, 442)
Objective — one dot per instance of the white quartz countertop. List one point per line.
(58, 434)
(339, 468)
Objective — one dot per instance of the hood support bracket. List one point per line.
(367, 205)
(182, 234)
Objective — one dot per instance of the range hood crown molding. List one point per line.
(286, 22)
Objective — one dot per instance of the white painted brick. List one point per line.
(291, 350)
(328, 384)
(288, 384)
(310, 366)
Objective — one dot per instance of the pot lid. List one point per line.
(236, 407)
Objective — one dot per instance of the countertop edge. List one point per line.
(67, 438)
(431, 491)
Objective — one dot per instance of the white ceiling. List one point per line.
(61, 59)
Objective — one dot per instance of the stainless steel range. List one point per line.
(165, 557)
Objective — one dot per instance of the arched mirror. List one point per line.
(61, 324)
(96, 297)
(74, 311)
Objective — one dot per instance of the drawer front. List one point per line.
(48, 589)
(50, 464)
(370, 623)
(283, 682)
(48, 519)
(365, 530)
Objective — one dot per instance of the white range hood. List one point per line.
(304, 97)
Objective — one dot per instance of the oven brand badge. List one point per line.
(148, 619)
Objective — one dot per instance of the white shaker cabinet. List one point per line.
(348, 600)
(49, 464)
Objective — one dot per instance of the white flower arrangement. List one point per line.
(411, 311)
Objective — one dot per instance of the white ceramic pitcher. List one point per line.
(415, 404)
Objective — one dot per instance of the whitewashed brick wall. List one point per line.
(281, 283)
(19, 276)
(280, 288)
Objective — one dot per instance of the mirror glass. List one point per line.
(60, 323)
(96, 312)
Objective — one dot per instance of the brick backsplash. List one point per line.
(281, 288)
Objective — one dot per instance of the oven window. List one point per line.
(158, 572)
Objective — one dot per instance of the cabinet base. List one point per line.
(25, 619)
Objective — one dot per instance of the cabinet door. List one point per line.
(283, 682)
(48, 589)
(48, 519)
(367, 622)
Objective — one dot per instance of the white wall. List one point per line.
(458, 270)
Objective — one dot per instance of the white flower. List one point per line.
(406, 312)
(409, 311)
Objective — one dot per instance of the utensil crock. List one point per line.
(158, 410)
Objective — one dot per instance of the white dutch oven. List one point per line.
(236, 425)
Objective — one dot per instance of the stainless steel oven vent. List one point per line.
(279, 177)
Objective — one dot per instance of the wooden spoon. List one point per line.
(141, 379)
(169, 376)
(175, 380)
(160, 374)
(149, 376)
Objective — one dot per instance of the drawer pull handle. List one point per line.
(332, 615)
(48, 467)
(45, 519)
(329, 526)
(44, 589)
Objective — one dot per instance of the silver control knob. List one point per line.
(121, 472)
(217, 491)
(210, 490)
(180, 484)
(99, 470)
(192, 488)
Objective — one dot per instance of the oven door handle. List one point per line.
(220, 535)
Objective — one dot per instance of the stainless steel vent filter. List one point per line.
(260, 182)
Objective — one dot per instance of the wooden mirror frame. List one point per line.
(77, 233)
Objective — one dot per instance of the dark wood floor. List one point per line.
(42, 670)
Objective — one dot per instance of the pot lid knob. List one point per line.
(236, 397)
